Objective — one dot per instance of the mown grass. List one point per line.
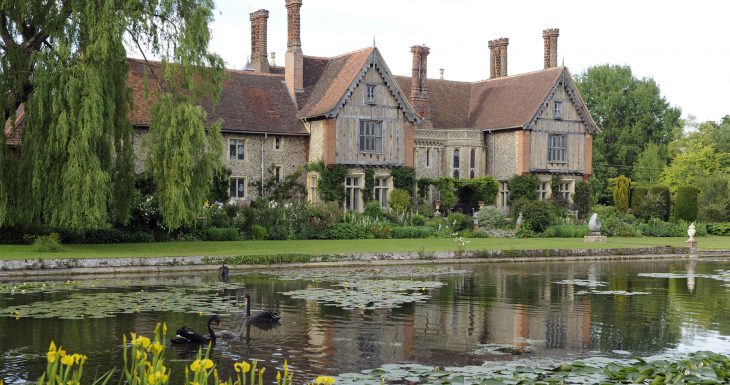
(320, 247)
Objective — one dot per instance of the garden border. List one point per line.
(77, 266)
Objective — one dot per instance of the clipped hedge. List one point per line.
(566, 231)
(221, 234)
(685, 203)
(401, 232)
(638, 194)
(347, 231)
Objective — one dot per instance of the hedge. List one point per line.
(685, 203)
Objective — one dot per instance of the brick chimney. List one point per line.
(550, 51)
(259, 60)
(294, 59)
(420, 98)
(498, 57)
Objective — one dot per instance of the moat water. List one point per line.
(464, 313)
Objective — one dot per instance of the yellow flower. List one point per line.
(52, 353)
(155, 348)
(141, 341)
(79, 358)
(67, 360)
(195, 366)
(325, 380)
(286, 367)
(278, 376)
(164, 328)
(242, 367)
(207, 363)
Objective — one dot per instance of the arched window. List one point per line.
(473, 158)
(455, 163)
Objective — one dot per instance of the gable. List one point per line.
(342, 76)
(574, 110)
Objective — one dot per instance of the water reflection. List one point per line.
(493, 304)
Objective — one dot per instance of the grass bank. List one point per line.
(321, 247)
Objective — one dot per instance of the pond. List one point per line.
(348, 320)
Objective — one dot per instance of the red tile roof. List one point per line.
(324, 92)
(248, 102)
(506, 102)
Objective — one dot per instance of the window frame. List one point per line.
(278, 172)
(556, 153)
(370, 129)
(456, 163)
(558, 112)
(381, 190)
(371, 94)
(278, 142)
(245, 187)
(244, 143)
(353, 192)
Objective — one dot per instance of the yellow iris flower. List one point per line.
(244, 367)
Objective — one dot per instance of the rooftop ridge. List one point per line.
(518, 75)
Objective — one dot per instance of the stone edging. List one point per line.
(71, 266)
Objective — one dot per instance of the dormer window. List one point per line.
(370, 93)
(558, 109)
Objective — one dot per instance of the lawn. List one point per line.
(319, 247)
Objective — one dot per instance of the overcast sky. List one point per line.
(683, 45)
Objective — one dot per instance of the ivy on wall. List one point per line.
(331, 184)
(369, 185)
(404, 178)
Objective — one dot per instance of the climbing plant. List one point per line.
(369, 185)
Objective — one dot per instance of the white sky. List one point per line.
(683, 45)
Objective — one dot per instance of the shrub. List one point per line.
(258, 232)
(115, 235)
(663, 201)
(638, 194)
(566, 231)
(473, 191)
(412, 232)
(538, 215)
(556, 198)
(582, 197)
(714, 198)
(425, 210)
(399, 200)
(418, 220)
(490, 217)
(331, 184)
(446, 192)
(47, 243)
(309, 221)
(373, 210)
(347, 231)
(368, 192)
(381, 230)
(221, 234)
(404, 178)
(524, 232)
(685, 203)
(655, 227)
(458, 221)
(620, 187)
(718, 228)
(615, 223)
(523, 187)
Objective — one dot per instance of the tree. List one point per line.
(649, 165)
(64, 61)
(621, 187)
(631, 113)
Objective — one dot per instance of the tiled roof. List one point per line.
(510, 101)
(449, 101)
(248, 102)
(323, 92)
(506, 102)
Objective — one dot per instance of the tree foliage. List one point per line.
(649, 165)
(64, 61)
(621, 187)
(523, 186)
(631, 113)
(685, 204)
(582, 197)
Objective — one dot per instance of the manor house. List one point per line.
(351, 110)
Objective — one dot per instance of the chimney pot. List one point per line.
(498, 57)
(441, 73)
(420, 98)
(550, 47)
(294, 59)
(273, 59)
(259, 20)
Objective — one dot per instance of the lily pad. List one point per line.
(368, 294)
(108, 304)
(611, 292)
(32, 287)
(581, 282)
(349, 274)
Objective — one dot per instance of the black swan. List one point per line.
(265, 317)
(223, 271)
(184, 335)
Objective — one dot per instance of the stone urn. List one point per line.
(481, 205)
(594, 225)
(437, 206)
(691, 231)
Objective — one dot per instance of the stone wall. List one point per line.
(501, 148)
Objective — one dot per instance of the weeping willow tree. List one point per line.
(64, 61)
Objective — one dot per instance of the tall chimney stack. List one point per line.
(259, 60)
(294, 59)
(420, 98)
(498, 57)
(550, 50)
